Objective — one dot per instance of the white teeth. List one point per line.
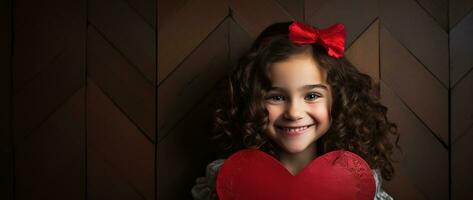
(295, 129)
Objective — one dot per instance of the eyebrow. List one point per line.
(305, 87)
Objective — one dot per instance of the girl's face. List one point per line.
(298, 103)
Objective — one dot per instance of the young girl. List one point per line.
(294, 96)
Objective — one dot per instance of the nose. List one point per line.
(293, 111)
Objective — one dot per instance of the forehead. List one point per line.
(297, 70)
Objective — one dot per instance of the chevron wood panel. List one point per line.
(243, 12)
(168, 8)
(404, 74)
(239, 41)
(188, 27)
(38, 91)
(193, 79)
(186, 127)
(147, 10)
(461, 108)
(364, 52)
(416, 166)
(121, 99)
(294, 7)
(461, 166)
(58, 28)
(47, 92)
(340, 11)
(48, 73)
(458, 9)
(132, 36)
(50, 164)
(106, 181)
(461, 67)
(438, 9)
(419, 33)
(313, 6)
(117, 145)
(414, 66)
(6, 147)
(461, 61)
(134, 95)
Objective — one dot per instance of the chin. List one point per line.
(295, 148)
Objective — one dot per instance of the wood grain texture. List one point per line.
(146, 9)
(243, 12)
(167, 9)
(112, 138)
(6, 146)
(240, 42)
(416, 164)
(402, 72)
(45, 32)
(49, 65)
(47, 93)
(193, 79)
(461, 108)
(50, 164)
(461, 166)
(185, 31)
(128, 32)
(458, 9)
(294, 7)
(461, 46)
(419, 33)
(364, 52)
(134, 95)
(437, 9)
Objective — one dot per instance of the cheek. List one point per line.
(273, 113)
(321, 112)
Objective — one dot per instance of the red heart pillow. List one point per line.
(254, 175)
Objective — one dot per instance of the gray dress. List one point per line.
(204, 189)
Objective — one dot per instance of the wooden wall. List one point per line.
(6, 147)
(113, 99)
(83, 109)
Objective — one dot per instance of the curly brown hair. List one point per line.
(359, 121)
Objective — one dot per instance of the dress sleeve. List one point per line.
(204, 188)
(380, 193)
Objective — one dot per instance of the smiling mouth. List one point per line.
(294, 129)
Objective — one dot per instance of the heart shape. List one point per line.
(251, 174)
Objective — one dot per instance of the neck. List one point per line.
(295, 162)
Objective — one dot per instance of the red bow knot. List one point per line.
(332, 38)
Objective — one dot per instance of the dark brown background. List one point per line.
(107, 99)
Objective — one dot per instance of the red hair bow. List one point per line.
(332, 38)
